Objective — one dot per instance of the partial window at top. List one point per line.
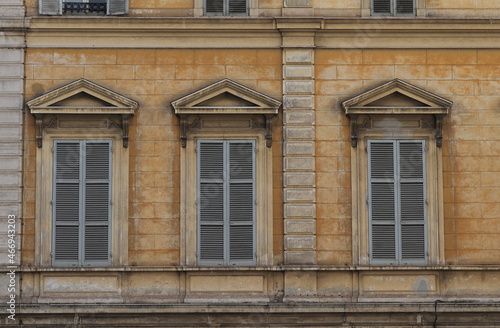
(393, 7)
(226, 7)
(83, 7)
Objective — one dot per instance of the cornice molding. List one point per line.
(328, 33)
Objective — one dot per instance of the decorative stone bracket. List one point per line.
(396, 97)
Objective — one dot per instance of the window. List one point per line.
(396, 175)
(226, 7)
(393, 7)
(396, 201)
(82, 172)
(226, 175)
(81, 202)
(88, 7)
(226, 193)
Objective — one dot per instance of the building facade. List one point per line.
(252, 163)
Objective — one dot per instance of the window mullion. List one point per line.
(397, 192)
(226, 8)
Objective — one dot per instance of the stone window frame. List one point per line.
(199, 9)
(366, 10)
(58, 117)
(372, 120)
(226, 122)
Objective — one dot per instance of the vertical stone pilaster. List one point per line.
(11, 106)
(299, 176)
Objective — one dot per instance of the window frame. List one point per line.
(393, 6)
(225, 9)
(44, 193)
(56, 7)
(263, 189)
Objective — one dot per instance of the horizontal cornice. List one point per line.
(203, 32)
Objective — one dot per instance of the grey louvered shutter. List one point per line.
(237, 7)
(381, 6)
(241, 202)
(66, 203)
(405, 7)
(117, 7)
(412, 199)
(50, 7)
(214, 7)
(382, 197)
(211, 202)
(226, 202)
(97, 212)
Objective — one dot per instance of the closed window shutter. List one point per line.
(211, 202)
(226, 202)
(237, 7)
(382, 209)
(66, 203)
(241, 202)
(405, 6)
(381, 6)
(81, 202)
(214, 7)
(50, 7)
(97, 202)
(412, 198)
(397, 210)
(117, 7)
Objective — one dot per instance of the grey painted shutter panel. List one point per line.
(66, 203)
(97, 202)
(381, 6)
(382, 201)
(50, 7)
(405, 6)
(81, 202)
(211, 202)
(412, 198)
(241, 202)
(397, 210)
(214, 7)
(117, 7)
(226, 195)
(237, 7)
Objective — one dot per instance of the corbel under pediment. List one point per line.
(396, 97)
(82, 97)
(226, 97)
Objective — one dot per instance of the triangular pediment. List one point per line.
(82, 97)
(396, 97)
(226, 97)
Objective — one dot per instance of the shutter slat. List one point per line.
(117, 7)
(97, 202)
(411, 160)
(382, 160)
(237, 7)
(412, 201)
(383, 242)
(211, 202)
(214, 7)
(405, 6)
(67, 160)
(211, 160)
(97, 161)
(382, 6)
(241, 202)
(67, 202)
(241, 242)
(96, 243)
(382, 201)
(50, 7)
(212, 242)
(66, 243)
(413, 242)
